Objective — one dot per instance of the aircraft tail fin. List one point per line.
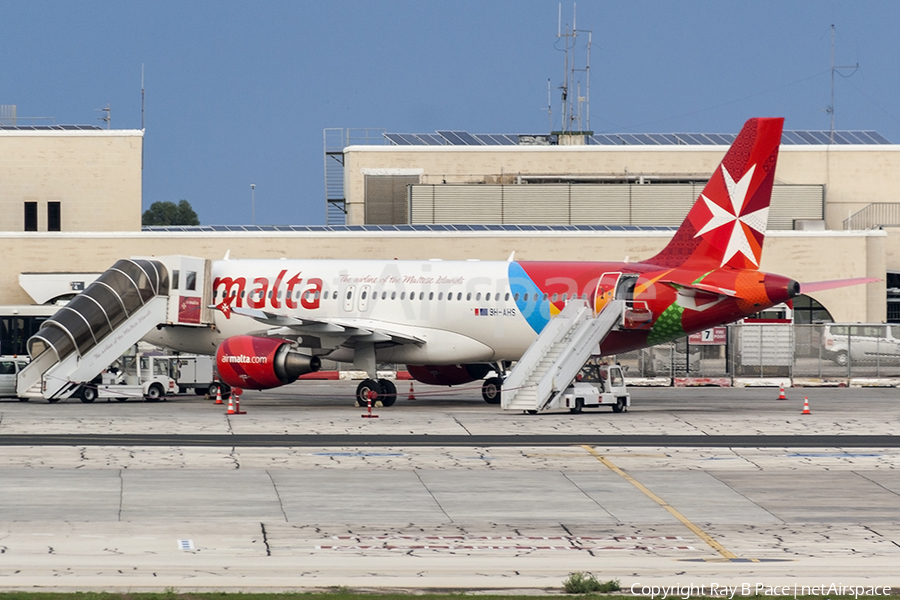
(727, 224)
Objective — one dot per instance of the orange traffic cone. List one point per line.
(412, 395)
(230, 410)
(805, 406)
(219, 394)
(236, 394)
(781, 395)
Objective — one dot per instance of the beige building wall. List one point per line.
(805, 256)
(95, 175)
(853, 176)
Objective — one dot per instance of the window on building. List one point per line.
(54, 220)
(31, 216)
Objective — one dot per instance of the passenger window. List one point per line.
(515, 296)
(469, 296)
(393, 295)
(191, 280)
(383, 295)
(403, 295)
(348, 294)
(554, 297)
(506, 297)
(440, 295)
(459, 296)
(487, 296)
(431, 295)
(363, 297)
(545, 297)
(478, 296)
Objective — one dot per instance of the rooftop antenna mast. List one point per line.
(576, 109)
(835, 69)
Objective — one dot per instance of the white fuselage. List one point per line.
(462, 311)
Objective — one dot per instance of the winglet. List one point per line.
(512, 256)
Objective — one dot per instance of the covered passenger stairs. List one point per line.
(118, 309)
(550, 364)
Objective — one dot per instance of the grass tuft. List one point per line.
(582, 582)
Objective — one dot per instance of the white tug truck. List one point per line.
(596, 385)
(133, 376)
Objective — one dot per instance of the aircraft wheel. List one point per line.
(579, 405)
(390, 392)
(363, 389)
(52, 400)
(23, 399)
(490, 390)
(88, 394)
(619, 406)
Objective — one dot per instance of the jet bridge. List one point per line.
(118, 309)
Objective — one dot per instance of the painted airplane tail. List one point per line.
(727, 225)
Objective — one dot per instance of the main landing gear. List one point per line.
(385, 392)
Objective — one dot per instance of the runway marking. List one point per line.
(684, 520)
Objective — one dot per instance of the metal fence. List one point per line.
(825, 351)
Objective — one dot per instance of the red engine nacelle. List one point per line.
(448, 374)
(260, 363)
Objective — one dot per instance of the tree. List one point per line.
(169, 213)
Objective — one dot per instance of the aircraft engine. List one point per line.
(260, 363)
(448, 374)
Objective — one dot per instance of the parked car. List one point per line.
(9, 369)
(861, 343)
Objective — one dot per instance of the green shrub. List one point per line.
(581, 582)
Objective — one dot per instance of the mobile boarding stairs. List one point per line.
(553, 360)
(118, 309)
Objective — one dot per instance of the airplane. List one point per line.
(455, 322)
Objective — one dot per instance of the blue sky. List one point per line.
(240, 92)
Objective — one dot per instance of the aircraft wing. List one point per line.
(370, 331)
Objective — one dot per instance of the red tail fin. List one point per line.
(727, 224)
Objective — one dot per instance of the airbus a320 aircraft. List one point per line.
(453, 322)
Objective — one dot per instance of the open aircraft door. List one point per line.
(190, 290)
(619, 286)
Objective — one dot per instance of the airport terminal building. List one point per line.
(72, 206)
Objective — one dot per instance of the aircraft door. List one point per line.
(364, 293)
(348, 298)
(606, 289)
(614, 285)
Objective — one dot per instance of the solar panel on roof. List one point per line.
(690, 139)
(877, 137)
(646, 139)
(453, 138)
